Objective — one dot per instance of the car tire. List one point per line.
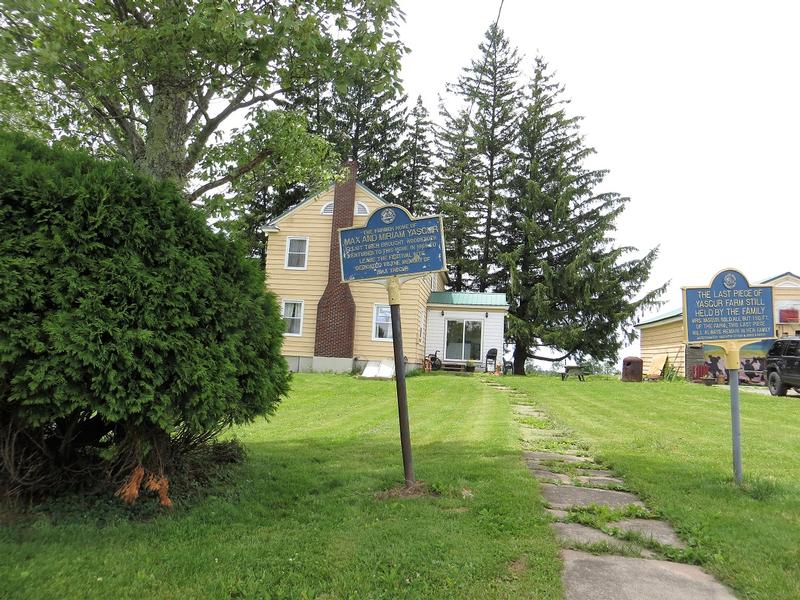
(776, 386)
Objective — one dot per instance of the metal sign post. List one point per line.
(393, 287)
(731, 313)
(391, 248)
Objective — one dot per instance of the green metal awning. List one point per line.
(468, 299)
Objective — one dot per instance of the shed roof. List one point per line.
(671, 314)
(787, 273)
(468, 299)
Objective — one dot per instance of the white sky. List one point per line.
(694, 107)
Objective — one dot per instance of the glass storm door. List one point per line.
(463, 340)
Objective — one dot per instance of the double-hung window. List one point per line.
(296, 252)
(382, 322)
(293, 316)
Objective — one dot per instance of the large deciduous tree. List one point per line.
(569, 286)
(159, 82)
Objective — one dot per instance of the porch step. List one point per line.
(452, 367)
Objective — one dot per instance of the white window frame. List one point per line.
(463, 321)
(375, 322)
(286, 254)
(327, 209)
(302, 304)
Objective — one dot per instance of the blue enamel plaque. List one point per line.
(392, 243)
(730, 309)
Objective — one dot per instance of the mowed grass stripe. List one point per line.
(672, 444)
(302, 520)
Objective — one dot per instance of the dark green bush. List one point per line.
(125, 322)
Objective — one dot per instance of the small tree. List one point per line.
(128, 329)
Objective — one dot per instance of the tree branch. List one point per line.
(536, 357)
(115, 112)
(198, 145)
(232, 175)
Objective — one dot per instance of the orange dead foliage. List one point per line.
(129, 491)
(160, 485)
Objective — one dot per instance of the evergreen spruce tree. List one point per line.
(569, 286)
(489, 86)
(416, 165)
(364, 122)
(455, 191)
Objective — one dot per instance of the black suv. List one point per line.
(783, 365)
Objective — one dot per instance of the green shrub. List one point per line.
(125, 322)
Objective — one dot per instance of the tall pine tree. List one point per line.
(455, 189)
(416, 162)
(363, 122)
(490, 87)
(569, 286)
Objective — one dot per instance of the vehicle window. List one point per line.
(777, 348)
(792, 349)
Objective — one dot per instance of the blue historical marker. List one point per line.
(392, 247)
(730, 312)
(392, 243)
(730, 309)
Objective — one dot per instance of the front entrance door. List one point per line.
(463, 340)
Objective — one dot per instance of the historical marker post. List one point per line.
(391, 248)
(730, 313)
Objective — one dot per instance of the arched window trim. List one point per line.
(360, 209)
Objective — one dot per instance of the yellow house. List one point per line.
(334, 326)
(664, 333)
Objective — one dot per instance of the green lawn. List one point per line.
(672, 443)
(303, 520)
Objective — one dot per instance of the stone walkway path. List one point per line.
(613, 548)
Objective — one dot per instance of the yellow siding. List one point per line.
(664, 339)
(413, 296)
(308, 285)
(785, 293)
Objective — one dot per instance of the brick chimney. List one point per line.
(336, 311)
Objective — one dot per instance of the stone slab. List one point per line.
(658, 531)
(556, 513)
(530, 411)
(574, 533)
(594, 472)
(541, 474)
(535, 432)
(556, 456)
(609, 577)
(599, 481)
(565, 496)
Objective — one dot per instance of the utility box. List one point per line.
(632, 369)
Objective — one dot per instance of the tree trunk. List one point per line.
(520, 356)
(165, 147)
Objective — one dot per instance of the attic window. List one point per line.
(360, 209)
